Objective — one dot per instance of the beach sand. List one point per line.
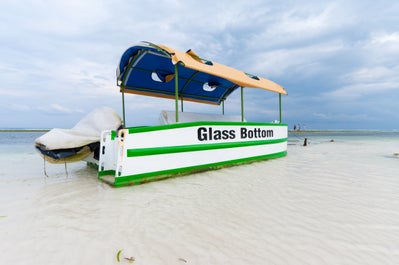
(327, 203)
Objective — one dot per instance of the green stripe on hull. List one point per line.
(106, 172)
(113, 135)
(197, 147)
(199, 123)
(152, 176)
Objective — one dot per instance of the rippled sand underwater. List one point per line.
(331, 202)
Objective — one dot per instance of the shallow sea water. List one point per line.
(331, 202)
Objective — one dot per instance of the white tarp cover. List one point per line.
(169, 117)
(87, 130)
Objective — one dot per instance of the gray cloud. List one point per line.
(338, 59)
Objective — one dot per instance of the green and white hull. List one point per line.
(142, 154)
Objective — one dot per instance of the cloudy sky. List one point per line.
(338, 60)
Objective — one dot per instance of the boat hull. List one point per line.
(142, 154)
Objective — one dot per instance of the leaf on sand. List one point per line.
(118, 255)
(131, 259)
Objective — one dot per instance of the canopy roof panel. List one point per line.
(149, 69)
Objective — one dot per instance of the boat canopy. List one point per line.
(150, 69)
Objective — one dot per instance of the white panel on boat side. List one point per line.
(204, 134)
(161, 162)
(108, 152)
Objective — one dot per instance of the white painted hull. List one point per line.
(138, 155)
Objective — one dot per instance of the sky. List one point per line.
(338, 60)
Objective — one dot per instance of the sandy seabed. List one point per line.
(327, 203)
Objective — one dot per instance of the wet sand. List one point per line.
(327, 203)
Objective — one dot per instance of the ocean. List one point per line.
(334, 201)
